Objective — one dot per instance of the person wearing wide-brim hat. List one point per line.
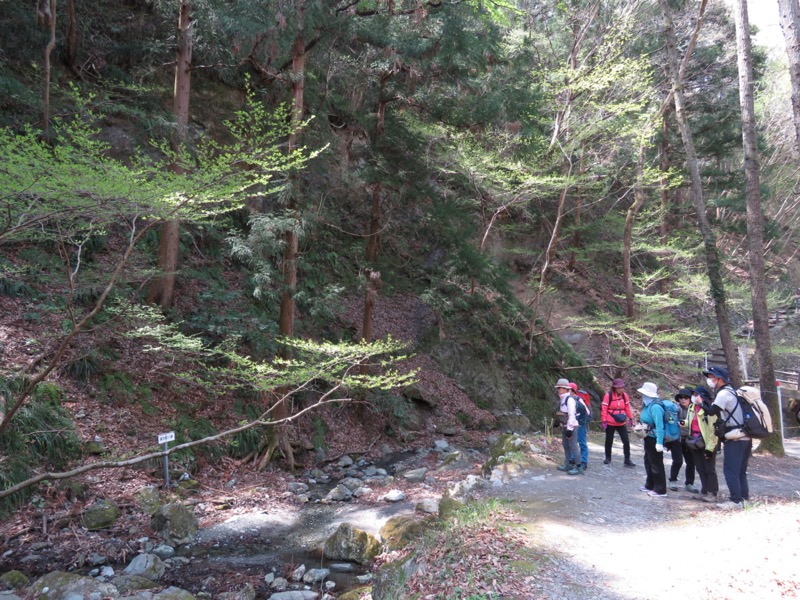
(569, 427)
(652, 415)
(615, 414)
(678, 448)
(737, 447)
(703, 443)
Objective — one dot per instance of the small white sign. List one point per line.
(163, 438)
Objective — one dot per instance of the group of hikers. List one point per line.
(685, 428)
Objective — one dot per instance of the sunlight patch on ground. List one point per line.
(710, 554)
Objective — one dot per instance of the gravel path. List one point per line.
(609, 541)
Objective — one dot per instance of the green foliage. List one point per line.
(188, 429)
(84, 367)
(250, 440)
(117, 388)
(41, 435)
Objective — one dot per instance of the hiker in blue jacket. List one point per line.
(653, 416)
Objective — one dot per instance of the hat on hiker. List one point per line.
(573, 387)
(703, 392)
(562, 383)
(720, 372)
(618, 383)
(649, 389)
(684, 393)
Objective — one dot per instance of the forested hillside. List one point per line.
(323, 227)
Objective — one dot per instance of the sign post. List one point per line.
(164, 439)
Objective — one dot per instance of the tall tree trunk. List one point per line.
(640, 196)
(713, 263)
(48, 18)
(755, 228)
(576, 236)
(162, 288)
(664, 166)
(286, 316)
(72, 36)
(790, 24)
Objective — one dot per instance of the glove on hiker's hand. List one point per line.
(604, 425)
(659, 448)
(568, 433)
(708, 454)
(630, 423)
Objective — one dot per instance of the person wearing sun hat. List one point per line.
(615, 414)
(569, 434)
(653, 416)
(737, 447)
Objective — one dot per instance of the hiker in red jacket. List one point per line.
(614, 418)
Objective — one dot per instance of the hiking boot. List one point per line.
(645, 489)
(673, 485)
(584, 466)
(710, 498)
(564, 467)
(629, 463)
(730, 505)
(655, 494)
(692, 489)
(575, 471)
(607, 461)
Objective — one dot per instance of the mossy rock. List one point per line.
(100, 515)
(449, 506)
(13, 580)
(507, 445)
(399, 531)
(175, 523)
(148, 499)
(187, 487)
(356, 593)
(59, 585)
(352, 544)
(133, 583)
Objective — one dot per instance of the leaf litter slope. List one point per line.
(607, 540)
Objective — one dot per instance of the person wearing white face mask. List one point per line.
(569, 429)
(737, 446)
(653, 416)
(703, 443)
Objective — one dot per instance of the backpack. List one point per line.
(672, 430)
(587, 401)
(581, 409)
(757, 420)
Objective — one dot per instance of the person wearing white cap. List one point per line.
(653, 416)
(569, 434)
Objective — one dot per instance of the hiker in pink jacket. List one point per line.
(614, 418)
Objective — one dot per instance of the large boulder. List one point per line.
(59, 585)
(175, 523)
(399, 531)
(148, 566)
(350, 543)
(100, 515)
(133, 583)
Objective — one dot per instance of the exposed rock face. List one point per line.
(349, 543)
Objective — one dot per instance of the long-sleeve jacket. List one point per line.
(706, 424)
(615, 403)
(567, 405)
(653, 416)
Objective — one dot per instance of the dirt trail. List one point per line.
(609, 541)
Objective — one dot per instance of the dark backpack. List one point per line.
(672, 428)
